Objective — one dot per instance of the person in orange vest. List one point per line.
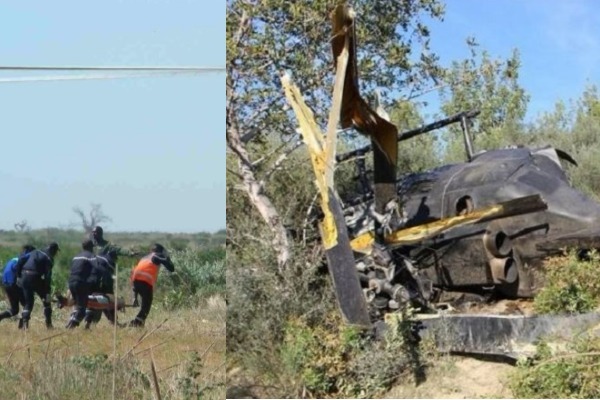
(143, 279)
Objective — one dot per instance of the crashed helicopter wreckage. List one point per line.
(493, 255)
(483, 226)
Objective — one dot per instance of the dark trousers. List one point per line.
(14, 294)
(145, 291)
(80, 292)
(93, 316)
(34, 284)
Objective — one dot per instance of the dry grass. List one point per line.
(78, 364)
(458, 378)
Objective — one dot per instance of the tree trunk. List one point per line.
(253, 187)
(259, 199)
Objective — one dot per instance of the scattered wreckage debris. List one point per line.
(482, 227)
(509, 336)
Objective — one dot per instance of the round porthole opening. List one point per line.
(464, 205)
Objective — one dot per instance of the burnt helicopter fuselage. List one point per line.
(503, 255)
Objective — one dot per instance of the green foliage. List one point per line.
(581, 141)
(290, 35)
(317, 355)
(126, 240)
(334, 359)
(6, 254)
(260, 302)
(82, 377)
(571, 373)
(179, 244)
(8, 374)
(572, 284)
(400, 356)
(191, 384)
(278, 320)
(492, 86)
(197, 275)
(93, 363)
(573, 127)
(291, 188)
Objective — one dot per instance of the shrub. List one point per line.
(261, 301)
(316, 356)
(197, 275)
(572, 284)
(571, 373)
(81, 377)
(571, 370)
(192, 384)
(379, 364)
(335, 359)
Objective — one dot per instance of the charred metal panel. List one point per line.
(492, 177)
(503, 335)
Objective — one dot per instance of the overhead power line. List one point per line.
(102, 72)
(108, 68)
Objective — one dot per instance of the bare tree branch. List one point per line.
(237, 174)
(261, 202)
(253, 189)
(22, 226)
(277, 164)
(95, 217)
(267, 156)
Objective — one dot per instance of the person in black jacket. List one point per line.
(101, 281)
(34, 275)
(79, 281)
(97, 237)
(14, 294)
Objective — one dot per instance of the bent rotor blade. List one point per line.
(355, 112)
(333, 230)
(341, 265)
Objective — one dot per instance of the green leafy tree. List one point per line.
(492, 86)
(270, 188)
(419, 153)
(267, 37)
(573, 127)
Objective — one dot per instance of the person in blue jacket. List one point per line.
(35, 277)
(13, 292)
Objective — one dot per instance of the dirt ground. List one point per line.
(459, 378)
(466, 377)
(450, 377)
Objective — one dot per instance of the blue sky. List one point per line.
(559, 42)
(150, 150)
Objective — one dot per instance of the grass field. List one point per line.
(187, 347)
(184, 334)
(73, 237)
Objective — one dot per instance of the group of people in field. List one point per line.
(91, 274)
